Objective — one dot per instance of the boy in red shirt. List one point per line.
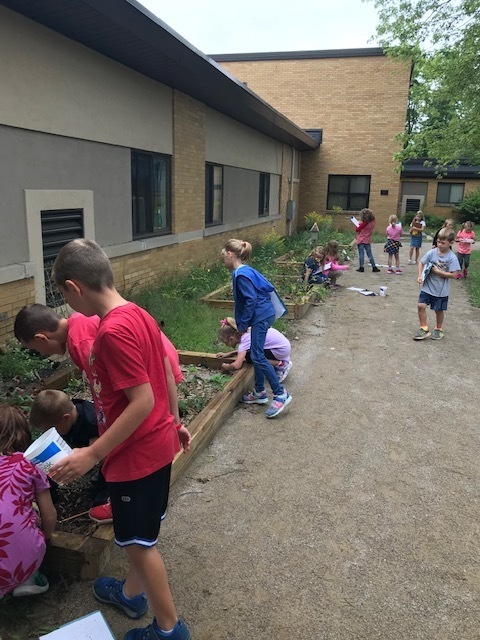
(139, 437)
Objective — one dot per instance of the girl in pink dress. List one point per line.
(22, 539)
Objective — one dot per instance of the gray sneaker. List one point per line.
(437, 334)
(422, 334)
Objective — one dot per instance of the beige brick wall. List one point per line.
(360, 103)
(188, 180)
(13, 296)
(443, 211)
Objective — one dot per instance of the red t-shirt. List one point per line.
(128, 351)
(82, 331)
(172, 355)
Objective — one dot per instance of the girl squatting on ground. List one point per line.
(254, 308)
(332, 268)
(465, 238)
(393, 244)
(23, 534)
(277, 348)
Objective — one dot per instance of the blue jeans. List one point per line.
(262, 367)
(361, 256)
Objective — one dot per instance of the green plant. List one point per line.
(219, 380)
(336, 209)
(469, 208)
(19, 363)
(322, 221)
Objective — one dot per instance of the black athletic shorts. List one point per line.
(268, 354)
(138, 506)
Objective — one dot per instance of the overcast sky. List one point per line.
(228, 26)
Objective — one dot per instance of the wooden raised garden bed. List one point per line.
(222, 298)
(86, 556)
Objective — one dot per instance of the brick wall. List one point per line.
(442, 210)
(360, 103)
(13, 296)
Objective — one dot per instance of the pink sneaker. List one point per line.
(102, 513)
(398, 272)
(389, 270)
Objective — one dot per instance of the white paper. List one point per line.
(91, 627)
(327, 266)
(364, 292)
(354, 220)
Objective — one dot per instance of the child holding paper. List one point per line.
(253, 297)
(364, 230)
(22, 484)
(465, 238)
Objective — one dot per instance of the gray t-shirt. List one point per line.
(436, 285)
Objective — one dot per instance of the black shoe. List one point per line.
(361, 269)
(375, 270)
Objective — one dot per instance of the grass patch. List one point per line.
(472, 283)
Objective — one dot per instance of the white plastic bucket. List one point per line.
(47, 450)
(383, 291)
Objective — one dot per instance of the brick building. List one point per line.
(358, 99)
(115, 128)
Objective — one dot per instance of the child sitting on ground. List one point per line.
(276, 348)
(313, 267)
(332, 268)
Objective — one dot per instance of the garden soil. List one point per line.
(354, 515)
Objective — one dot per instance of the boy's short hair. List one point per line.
(33, 319)
(85, 261)
(443, 234)
(48, 408)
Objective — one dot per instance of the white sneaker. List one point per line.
(38, 583)
(410, 262)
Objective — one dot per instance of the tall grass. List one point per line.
(472, 283)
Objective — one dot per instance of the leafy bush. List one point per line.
(323, 222)
(469, 209)
(19, 363)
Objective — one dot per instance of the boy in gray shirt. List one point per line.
(435, 270)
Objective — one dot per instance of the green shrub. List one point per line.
(19, 363)
(469, 209)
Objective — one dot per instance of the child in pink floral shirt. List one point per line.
(22, 540)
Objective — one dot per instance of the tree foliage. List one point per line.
(442, 38)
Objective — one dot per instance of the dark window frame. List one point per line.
(209, 194)
(449, 201)
(264, 195)
(138, 156)
(349, 194)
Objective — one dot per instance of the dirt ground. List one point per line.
(354, 515)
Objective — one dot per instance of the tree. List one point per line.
(442, 39)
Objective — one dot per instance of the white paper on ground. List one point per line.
(364, 292)
(91, 627)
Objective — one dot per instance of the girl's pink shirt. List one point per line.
(334, 266)
(394, 233)
(465, 247)
(365, 234)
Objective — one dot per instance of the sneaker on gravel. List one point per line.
(102, 513)
(36, 584)
(110, 590)
(398, 272)
(180, 632)
(375, 270)
(283, 370)
(360, 269)
(421, 334)
(255, 397)
(437, 334)
(278, 404)
(389, 270)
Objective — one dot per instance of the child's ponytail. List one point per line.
(240, 248)
(228, 328)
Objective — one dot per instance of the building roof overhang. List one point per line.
(126, 32)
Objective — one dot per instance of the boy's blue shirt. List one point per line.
(251, 294)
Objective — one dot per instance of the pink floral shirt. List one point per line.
(22, 543)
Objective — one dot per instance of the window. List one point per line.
(449, 192)
(264, 195)
(351, 193)
(213, 194)
(151, 194)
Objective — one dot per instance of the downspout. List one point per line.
(290, 195)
